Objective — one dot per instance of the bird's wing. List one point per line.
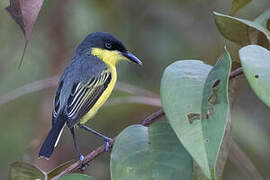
(56, 103)
(83, 96)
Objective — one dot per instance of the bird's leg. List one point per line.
(80, 156)
(106, 139)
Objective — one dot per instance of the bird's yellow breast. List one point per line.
(110, 58)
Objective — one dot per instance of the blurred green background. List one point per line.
(159, 32)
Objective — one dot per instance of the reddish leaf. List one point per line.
(25, 13)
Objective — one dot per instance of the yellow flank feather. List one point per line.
(110, 58)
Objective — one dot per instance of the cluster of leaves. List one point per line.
(195, 99)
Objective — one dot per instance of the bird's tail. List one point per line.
(52, 139)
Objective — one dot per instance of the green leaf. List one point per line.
(146, 153)
(181, 95)
(76, 177)
(242, 31)
(24, 171)
(215, 109)
(238, 4)
(60, 168)
(256, 66)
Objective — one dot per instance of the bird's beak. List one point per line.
(132, 58)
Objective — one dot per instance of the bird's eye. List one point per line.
(108, 45)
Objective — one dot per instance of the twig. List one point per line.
(29, 88)
(236, 72)
(131, 89)
(239, 159)
(101, 149)
(134, 100)
(153, 117)
(233, 74)
(87, 159)
(53, 81)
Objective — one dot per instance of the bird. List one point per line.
(84, 87)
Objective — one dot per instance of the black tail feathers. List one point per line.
(51, 140)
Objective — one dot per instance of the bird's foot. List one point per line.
(107, 143)
(81, 158)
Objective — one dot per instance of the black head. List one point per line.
(105, 41)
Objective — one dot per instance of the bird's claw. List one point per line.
(107, 143)
(82, 167)
(81, 158)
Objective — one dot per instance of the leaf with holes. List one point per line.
(153, 152)
(23, 170)
(243, 31)
(181, 96)
(216, 111)
(256, 65)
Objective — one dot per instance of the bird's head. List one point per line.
(106, 47)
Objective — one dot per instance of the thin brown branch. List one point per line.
(134, 100)
(236, 72)
(101, 149)
(233, 74)
(28, 88)
(239, 159)
(153, 117)
(53, 81)
(89, 157)
(131, 89)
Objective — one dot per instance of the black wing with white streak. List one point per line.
(56, 102)
(84, 96)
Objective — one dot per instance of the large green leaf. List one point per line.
(215, 109)
(181, 95)
(76, 177)
(243, 31)
(146, 153)
(256, 65)
(24, 171)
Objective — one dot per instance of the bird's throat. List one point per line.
(111, 58)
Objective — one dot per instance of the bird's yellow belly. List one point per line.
(102, 99)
